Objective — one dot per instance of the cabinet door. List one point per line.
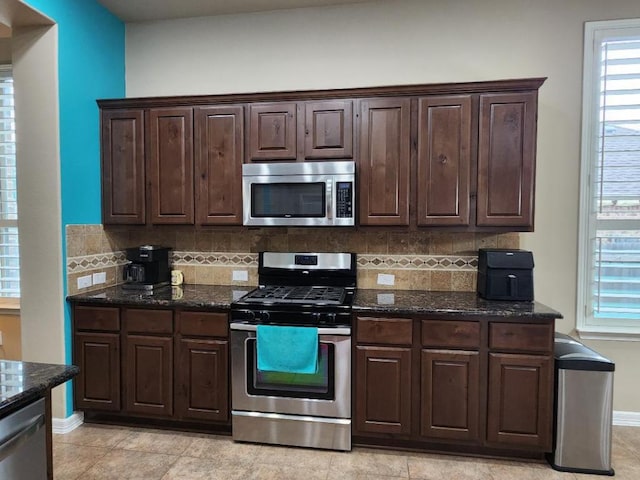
(148, 368)
(506, 159)
(170, 165)
(97, 386)
(218, 159)
(383, 390)
(520, 401)
(202, 379)
(328, 129)
(444, 160)
(272, 131)
(122, 148)
(384, 161)
(450, 401)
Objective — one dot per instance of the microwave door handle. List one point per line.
(329, 196)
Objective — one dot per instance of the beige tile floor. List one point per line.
(104, 452)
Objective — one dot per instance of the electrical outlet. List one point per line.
(1, 339)
(84, 282)
(386, 279)
(99, 278)
(386, 299)
(240, 276)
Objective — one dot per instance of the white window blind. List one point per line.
(609, 269)
(9, 246)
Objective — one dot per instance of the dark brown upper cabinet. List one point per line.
(506, 159)
(458, 156)
(289, 131)
(444, 160)
(191, 160)
(218, 142)
(123, 172)
(383, 166)
(328, 130)
(170, 165)
(272, 132)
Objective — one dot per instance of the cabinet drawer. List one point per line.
(148, 321)
(521, 337)
(204, 324)
(452, 334)
(391, 331)
(97, 318)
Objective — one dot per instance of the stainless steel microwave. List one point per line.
(312, 194)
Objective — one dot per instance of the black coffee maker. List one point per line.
(149, 268)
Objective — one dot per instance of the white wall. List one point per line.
(405, 42)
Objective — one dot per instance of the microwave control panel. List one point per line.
(344, 199)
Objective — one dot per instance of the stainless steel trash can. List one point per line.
(583, 409)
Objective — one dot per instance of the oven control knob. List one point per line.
(263, 316)
(331, 318)
(245, 315)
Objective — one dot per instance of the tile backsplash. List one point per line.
(416, 260)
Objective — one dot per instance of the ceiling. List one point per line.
(146, 10)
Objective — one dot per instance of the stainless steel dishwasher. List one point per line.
(23, 452)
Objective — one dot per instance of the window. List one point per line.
(9, 251)
(609, 258)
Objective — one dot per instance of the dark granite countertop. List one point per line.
(404, 302)
(407, 302)
(23, 382)
(185, 296)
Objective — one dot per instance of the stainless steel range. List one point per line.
(304, 293)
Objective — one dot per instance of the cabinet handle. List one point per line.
(442, 158)
(329, 199)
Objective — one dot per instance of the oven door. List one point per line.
(326, 393)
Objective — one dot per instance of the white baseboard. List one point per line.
(628, 419)
(66, 425)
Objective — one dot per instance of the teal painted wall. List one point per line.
(91, 65)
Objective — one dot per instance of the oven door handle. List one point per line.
(249, 327)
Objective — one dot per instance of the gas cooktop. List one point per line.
(311, 295)
(300, 288)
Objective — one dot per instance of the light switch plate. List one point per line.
(240, 276)
(100, 277)
(85, 282)
(386, 279)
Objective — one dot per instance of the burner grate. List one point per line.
(291, 294)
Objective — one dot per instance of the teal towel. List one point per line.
(287, 349)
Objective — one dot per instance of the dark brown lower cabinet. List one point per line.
(383, 390)
(98, 356)
(520, 400)
(455, 384)
(450, 400)
(164, 364)
(202, 379)
(148, 370)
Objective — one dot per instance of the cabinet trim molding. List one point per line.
(512, 85)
